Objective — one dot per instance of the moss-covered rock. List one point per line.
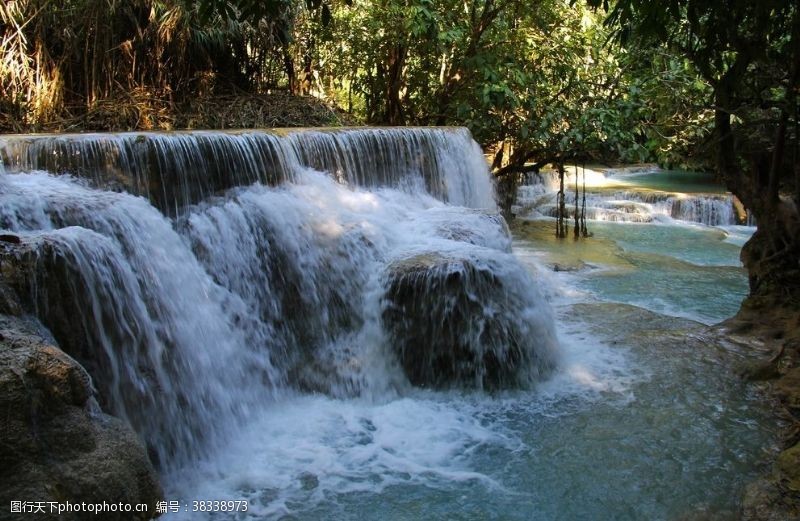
(788, 467)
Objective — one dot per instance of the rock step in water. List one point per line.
(450, 323)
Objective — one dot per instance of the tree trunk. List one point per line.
(288, 67)
(584, 230)
(394, 106)
(771, 255)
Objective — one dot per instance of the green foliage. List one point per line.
(745, 58)
(64, 58)
(253, 11)
(534, 80)
(674, 113)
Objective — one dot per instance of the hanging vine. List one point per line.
(561, 225)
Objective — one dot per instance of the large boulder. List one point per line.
(468, 321)
(55, 443)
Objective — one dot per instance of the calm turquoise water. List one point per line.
(685, 270)
(675, 181)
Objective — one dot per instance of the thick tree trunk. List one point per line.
(772, 255)
(288, 67)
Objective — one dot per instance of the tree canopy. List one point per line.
(532, 82)
(748, 53)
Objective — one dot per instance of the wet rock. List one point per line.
(740, 212)
(576, 267)
(456, 321)
(788, 468)
(46, 283)
(758, 371)
(9, 301)
(766, 500)
(788, 388)
(333, 371)
(759, 500)
(55, 444)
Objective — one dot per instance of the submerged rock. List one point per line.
(572, 267)
(55, 444)
(458, 320)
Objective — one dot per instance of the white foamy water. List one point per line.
(236, 316)
(307, 454)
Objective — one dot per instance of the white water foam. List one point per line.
(307, 453)
(206, 322)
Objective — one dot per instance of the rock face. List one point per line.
(45, 280)
(453, 321)
(55, 444)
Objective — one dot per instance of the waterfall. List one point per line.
(123, 293)
(174, 170)
(198, 276)
(713, 211)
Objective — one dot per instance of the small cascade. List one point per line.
(713, 211)
(123, 293)
(197, 305)
(605, 201)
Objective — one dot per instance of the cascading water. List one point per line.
(152, 327)
(177, 169)
(299, 320)
(190, 323)
(679, 227)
